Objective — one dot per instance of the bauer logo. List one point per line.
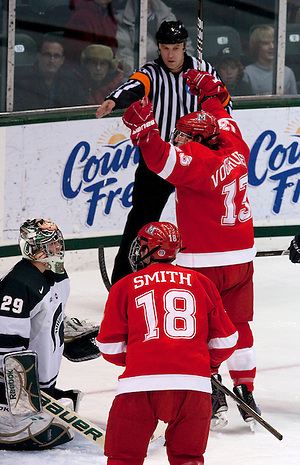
(96, 172)
(274, 160)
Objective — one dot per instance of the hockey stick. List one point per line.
(102, 266)
(24, 396)
(73, 420)
(107, 283)
(246, 407)
(200, 34)
(271, 253)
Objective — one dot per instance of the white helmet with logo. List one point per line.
(41, 240)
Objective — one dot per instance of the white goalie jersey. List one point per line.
(32, 306)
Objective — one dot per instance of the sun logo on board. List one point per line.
(293, 127)
(113, 136)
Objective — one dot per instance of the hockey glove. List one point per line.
(80, 340)
(294, 249)
(82, 349)
(140, 120)
(205, 85)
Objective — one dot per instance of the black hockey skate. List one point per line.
(219, 407)
(242, 392)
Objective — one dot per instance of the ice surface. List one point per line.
(276, 329)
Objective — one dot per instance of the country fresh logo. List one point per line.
(112, 136)
(275, 158)
(293, 128)
(95, 171)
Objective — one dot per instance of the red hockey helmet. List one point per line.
(162, 239)
(199, 123)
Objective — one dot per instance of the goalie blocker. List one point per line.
(34, 419)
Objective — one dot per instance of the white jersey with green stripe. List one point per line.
(32, 306)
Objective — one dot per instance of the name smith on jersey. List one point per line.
(163, 276)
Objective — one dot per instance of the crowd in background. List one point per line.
(89, 51)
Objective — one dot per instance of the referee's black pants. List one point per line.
(149, 196)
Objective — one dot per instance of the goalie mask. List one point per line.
(199, 123)
(159, 240)
(41, 240)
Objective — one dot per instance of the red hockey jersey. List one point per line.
(167, 325)
(212, 207)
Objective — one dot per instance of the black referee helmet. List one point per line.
(171, 32)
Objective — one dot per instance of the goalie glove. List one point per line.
(82, 349)
(294, 249)
(80, 340)
(205, 85)
(140, 120)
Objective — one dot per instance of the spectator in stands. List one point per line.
(231, 72)
(128, 32)
(260, 73)
(92, 22)
(98, 73)
(46, 84)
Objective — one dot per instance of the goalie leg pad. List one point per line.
(21, 382)
(32, 432)
(23, 425)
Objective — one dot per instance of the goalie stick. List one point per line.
(73, 420)
(24, 396)
(246, 407)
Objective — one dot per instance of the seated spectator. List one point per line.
(98, 73)
(46, 84)
(92, 22)
(231, 72)
(128, 32)
(260, 73)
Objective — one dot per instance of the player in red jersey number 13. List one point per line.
(207, 162)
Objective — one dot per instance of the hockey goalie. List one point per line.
(33, 297)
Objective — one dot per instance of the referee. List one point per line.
(161, 80)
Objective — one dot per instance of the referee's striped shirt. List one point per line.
(167, 92)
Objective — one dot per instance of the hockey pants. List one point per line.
(134, 416)
(235, 284)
